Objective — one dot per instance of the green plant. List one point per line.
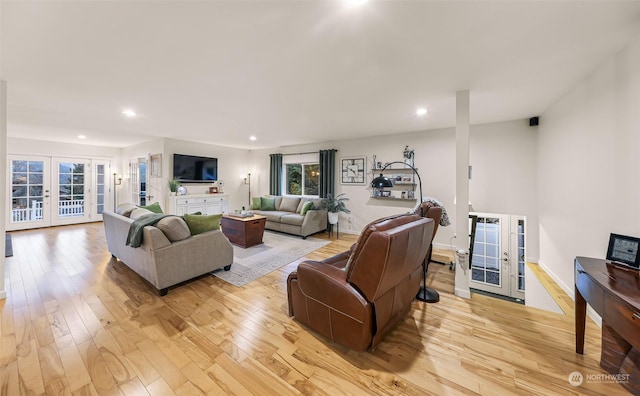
(173, 185)
(335, 204)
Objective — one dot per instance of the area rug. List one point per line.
(277, 251)
(8, 248)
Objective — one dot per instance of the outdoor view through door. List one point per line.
(47, 191)
(498, 259)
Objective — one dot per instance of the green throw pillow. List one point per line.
(202, 223)
(154, 207)
(267, 203)
(255, 203)
(306, 207)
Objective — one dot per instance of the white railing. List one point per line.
(35, 212)
(71, 208)
(27, 214)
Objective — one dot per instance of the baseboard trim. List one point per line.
(464, 293)
(570, 292)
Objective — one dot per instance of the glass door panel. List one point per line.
(72, 198)
(486, 271)
(100, 189)
(498, 261)
(29, 187)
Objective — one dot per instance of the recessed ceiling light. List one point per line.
(355, 3)
(421, 111)
(82, 137)
(129, 113)
(252, 138)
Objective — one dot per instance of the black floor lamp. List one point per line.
(425, 294)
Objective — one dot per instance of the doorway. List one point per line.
(498, 261)
(145, 186)
(51, 191)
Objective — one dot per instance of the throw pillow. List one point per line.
(289, 204)
(139, 212)
(174, 228)
(125, 209)
(267, 203)
(307, 206)
(154, 207)
(202, 223)
(255, 203)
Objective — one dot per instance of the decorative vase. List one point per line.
(333, 217)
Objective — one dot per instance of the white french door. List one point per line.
(70, 200)
(30, 192)
(49, 191)
(497, 265)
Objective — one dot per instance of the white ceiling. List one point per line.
(291, 72)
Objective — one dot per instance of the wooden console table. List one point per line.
(243, 231)
(614, 293)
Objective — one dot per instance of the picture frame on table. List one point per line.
(352, 170)
(213, 190)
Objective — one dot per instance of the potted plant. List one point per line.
(173, 185)
(334, 205)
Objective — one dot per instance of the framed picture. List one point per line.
(155, 165)
(213, 190)
(352, 170)
(624, 250)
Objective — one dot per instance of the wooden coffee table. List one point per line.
(243, 231)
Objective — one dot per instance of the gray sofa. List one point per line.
(286, 216)
(164, 263)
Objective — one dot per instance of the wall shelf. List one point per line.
(396, 199)
(404, 183)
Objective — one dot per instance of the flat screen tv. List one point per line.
(194, 169)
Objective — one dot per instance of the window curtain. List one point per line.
(327, 173)
(275, 174)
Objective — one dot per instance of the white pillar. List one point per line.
(3, 181)
(462, 189)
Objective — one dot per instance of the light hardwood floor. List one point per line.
(77, 322)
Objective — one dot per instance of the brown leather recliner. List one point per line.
(355, 298)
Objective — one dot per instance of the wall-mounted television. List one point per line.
(195, 169)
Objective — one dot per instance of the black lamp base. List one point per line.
(427, 295)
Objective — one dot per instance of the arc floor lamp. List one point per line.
(425, 294)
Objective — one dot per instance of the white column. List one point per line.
(462, 189)
(3, 181)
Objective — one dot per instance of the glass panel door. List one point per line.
(498, 261)
(30, 192)
(46, 191)
(100, 189)
(486, 266)
(72, 198)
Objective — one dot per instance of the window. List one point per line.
(301, 179)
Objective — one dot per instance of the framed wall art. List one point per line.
(155, 165)
(352, 170)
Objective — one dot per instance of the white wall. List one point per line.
(48, 148)
(233, 166)
(588, 171)
(504, 176)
